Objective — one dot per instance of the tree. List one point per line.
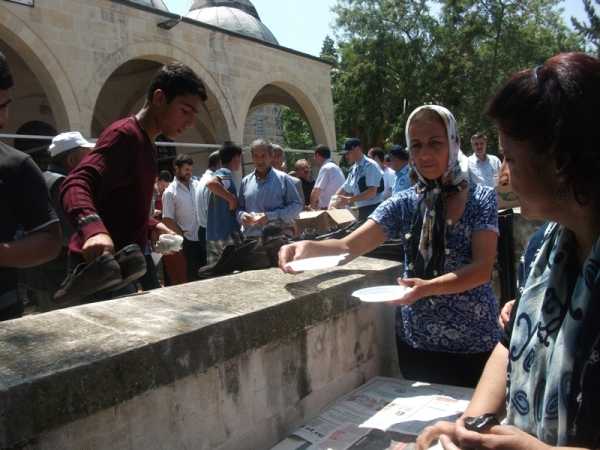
(395, 55)
(591, 32)
(328, 51)
(296, 131)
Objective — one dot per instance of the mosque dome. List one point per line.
(239, 16)
(157, 4)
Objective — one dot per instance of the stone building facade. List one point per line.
(79, 65)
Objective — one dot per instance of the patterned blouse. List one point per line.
(455, 323)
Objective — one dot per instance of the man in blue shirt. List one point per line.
(399, 164)
(222, 228)
(364, 186)
(267, 195)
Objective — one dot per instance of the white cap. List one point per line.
(68, 141)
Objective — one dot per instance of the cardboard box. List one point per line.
(323, 221)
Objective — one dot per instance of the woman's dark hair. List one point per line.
(176, 79)
(165, 175)
(181, 160)
(228, 152)
(554, 107)
(6, 79)
(323, 151)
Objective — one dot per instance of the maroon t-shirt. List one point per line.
(116, 182)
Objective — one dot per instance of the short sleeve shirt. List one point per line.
(484, 172)
(402, 180)
(328, 181)
(363, 175)
(458, 323)
(221, 222)
(180, 204)
(25, 203)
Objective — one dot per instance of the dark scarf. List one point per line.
(427, 240)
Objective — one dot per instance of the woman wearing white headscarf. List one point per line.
(447, 324)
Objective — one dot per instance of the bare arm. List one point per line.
(314, 198)
(368, 194)
(216, 187)
(490, 393)
(476, 273)
(366, 238)
(171, 224)
(35, 249)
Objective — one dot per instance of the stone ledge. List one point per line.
(68, 364)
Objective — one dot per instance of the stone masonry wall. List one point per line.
(232, 363)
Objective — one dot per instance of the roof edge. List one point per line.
(170, 15)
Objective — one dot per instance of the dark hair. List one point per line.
(378, 153)
(183, 159)
(323, 151)
(399, 153)
(6, 79)
(214, 159)
(479, 135)
(176, 79)
(554, 108)
(228, 152)
(165, 175)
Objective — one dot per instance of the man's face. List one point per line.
(184, 172)
(262, 158)
(162, 185)
(178, 115)
(5, 100)
(479, 147)
(354, 155)
(277, 159)
(397, 163)
(319, 160)
(77, 156)
(303, 172)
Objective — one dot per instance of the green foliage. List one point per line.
(395, 55)
(328, 51)
(591, 31)
(296, 131)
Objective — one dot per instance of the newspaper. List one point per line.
(387, 404)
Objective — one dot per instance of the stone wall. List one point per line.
(231, 363)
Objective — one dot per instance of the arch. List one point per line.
(20, 37)
(301, 99)
(217, 105)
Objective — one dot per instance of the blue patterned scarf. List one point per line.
(554, 348)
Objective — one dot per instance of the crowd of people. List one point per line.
(88, 227)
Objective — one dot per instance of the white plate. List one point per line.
(382, 293)
(318, 263)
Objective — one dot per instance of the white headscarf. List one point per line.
(428, 253)
(458, 164)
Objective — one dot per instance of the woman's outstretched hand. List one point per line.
(419, 289)
(297, 250)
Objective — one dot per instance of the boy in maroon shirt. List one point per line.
(108, 196)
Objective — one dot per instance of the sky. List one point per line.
(303, 24)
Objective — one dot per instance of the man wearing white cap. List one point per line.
(66, 152)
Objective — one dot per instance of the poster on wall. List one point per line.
(22, 2)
